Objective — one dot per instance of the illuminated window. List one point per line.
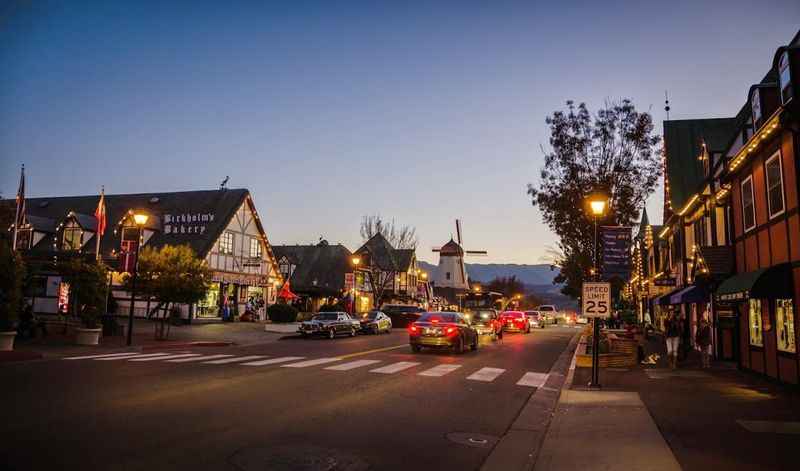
(255, 248)
(748, 206)
(774, 185)
(784, 317)
(784, 77)
(72, 238)
(756, 332)
(226, 243)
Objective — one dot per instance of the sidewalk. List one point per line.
(55, 344)
(650, 417)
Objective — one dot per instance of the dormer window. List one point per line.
(71, 239)
(755, 106)
(785, 77)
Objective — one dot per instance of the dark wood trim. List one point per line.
(783, 217)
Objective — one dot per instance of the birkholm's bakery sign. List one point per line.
(187, 223)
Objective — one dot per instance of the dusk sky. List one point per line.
(420, 111)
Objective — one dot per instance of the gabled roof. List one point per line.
(683, 141)
(381, 252)
(42, 224)
(451, 248)
(85, 221)
(320, 268)
(404, 259)
(221, 204)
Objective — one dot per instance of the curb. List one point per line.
(15, 355)
(519, 447)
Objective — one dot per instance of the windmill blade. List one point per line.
(476, 252)
(458, 231)
(436, 249)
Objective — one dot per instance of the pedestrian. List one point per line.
(703, 341)
(672, 333)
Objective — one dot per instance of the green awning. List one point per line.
(772, 282)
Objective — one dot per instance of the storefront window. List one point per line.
(784, 317)
(209, 307)
(756, 333)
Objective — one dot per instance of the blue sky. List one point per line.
(420, 111)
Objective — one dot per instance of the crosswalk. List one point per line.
(486, 374)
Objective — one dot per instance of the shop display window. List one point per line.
(784, 318)
(756, 332)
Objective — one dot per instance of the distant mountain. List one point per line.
(528, 274)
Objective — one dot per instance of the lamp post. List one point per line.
(356, 261)
(597, 203)
(140, 220)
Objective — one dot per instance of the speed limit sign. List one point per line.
(596, 299)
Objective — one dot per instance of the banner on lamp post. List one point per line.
(616, 251)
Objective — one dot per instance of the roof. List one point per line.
(404, 258)
(320, 268)
(381, 252)
(42, 224)
(219, 206)
(451, 248)
(683, 141)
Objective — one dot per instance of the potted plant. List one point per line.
(89, 334)
(12, 274)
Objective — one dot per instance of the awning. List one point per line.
(772, 282)
(663, 300)
(692, 294)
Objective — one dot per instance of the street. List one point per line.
(360, 403)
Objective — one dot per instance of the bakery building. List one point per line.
(222, 226)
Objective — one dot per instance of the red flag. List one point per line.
(100, 214)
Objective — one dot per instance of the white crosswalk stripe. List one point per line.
(200, 358)
(225, 361)
(138, 355)
(440, 370)
(272, 361)
(534, 380)
(166, 357)
(307, 363)
(486, 374)
(395, 367)
(107, 355)
(352, 365)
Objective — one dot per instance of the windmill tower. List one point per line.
(451, 272)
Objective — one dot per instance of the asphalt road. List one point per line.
(159, 414)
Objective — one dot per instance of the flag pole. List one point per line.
(101, 213)
(19, 216)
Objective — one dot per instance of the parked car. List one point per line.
(375, 322)
(535, 318)
(402, 314)
(515, 321)
(330, 324)
(487, 322)
(582, 320)
(442, 330)
(548, 313)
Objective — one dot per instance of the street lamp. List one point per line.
(356, 261)
(140, 220)
(597, 204)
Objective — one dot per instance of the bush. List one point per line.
(338, 307)
(282, 313)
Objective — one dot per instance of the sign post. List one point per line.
(596, 304)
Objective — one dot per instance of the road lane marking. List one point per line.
(233, 360)
(534, 380)
(307, 363)
(272, 361)
(440, 370)
(352, 365)
(395, 367)
(200, 358)
(107, 355)
(132, 356)
(367, 352)
(165, 357)
(486, 374)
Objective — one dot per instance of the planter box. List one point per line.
(7, 340)
(87, 336)
(622, 355)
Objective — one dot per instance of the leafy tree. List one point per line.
(12, 274)
(615, 151)
(173, 274)
(507, 285)
(282, 313)
(401, 237)
(88, 282)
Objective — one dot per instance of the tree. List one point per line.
(509, 286)
(401, 237)
(12, 274)
(614, 151)
(87, 287)
(173, 274)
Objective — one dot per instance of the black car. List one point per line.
(487, 322)
(402, 315)
(442, 329)
(375, 322)
(330, 324)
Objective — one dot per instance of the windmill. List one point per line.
(451, 272)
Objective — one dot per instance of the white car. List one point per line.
(548, 313)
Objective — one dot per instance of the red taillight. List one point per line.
(413, 329)
(450, 331)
